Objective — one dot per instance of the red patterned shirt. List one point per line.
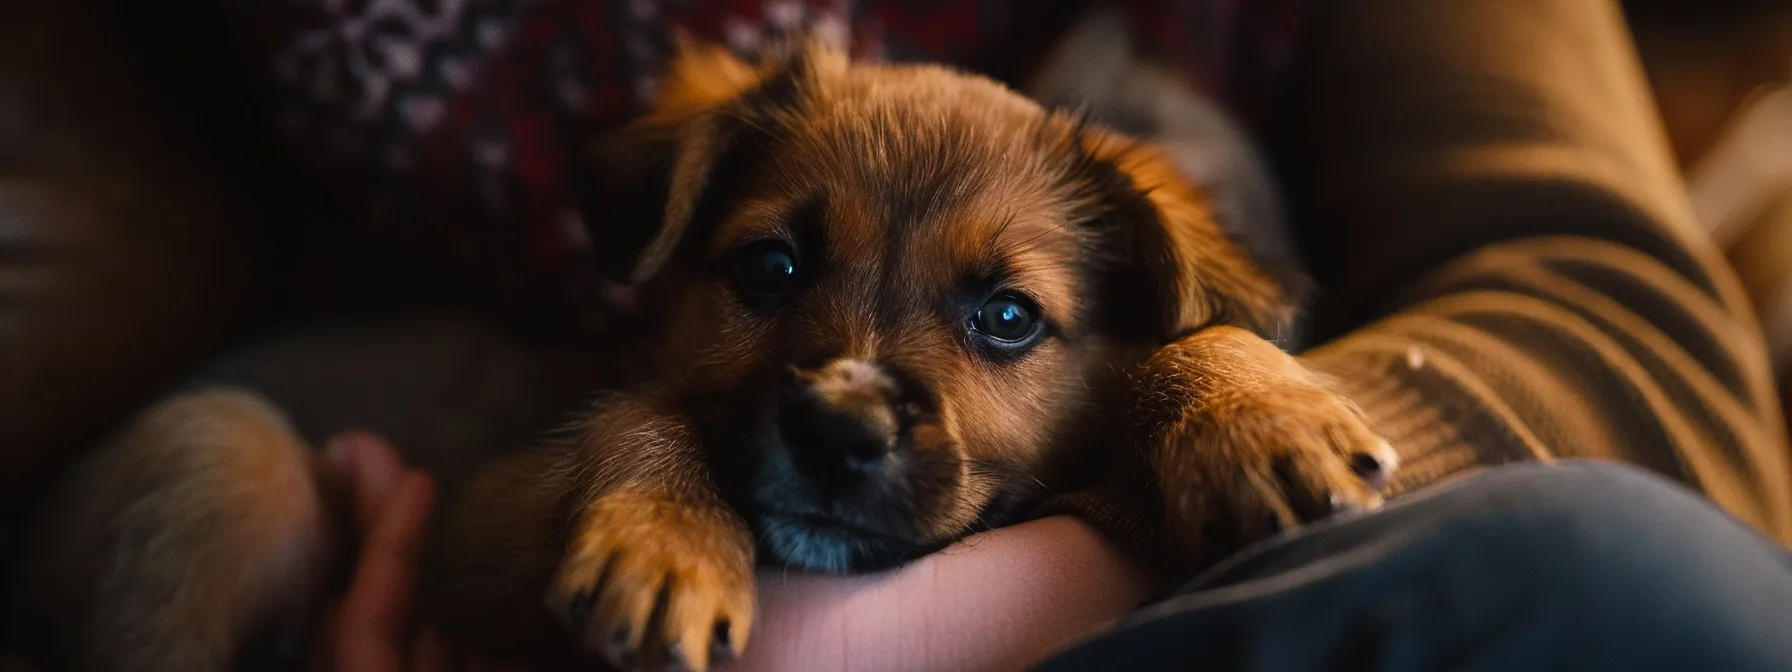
(446, 127)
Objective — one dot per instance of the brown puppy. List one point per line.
(902, 304)
(898, 304)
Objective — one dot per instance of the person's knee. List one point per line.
(1625, 564)
(1585, 509)
(1603, 540)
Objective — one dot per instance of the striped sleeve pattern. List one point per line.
(1511, 266)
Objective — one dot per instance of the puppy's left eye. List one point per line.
(768, 267)
(1008, 320)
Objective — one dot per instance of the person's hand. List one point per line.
(998, 600)
(371, 629)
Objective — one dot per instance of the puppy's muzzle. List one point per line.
(844, 422)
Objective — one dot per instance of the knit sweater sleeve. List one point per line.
(1510, 265)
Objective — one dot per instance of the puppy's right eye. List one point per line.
(1008, 321)
(768, 268)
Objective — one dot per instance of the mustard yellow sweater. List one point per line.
(1511, 268)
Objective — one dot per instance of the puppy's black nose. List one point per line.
(840, 421)
(822, 438)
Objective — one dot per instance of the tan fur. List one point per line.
(921, 180)
(859, 390)
(210, 525)
(1236, 429)
(644, 522)
(1207, 277)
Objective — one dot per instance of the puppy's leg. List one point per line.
(1245, 442)
(652, 567)
(168, 548)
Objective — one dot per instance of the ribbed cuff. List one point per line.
(1426, 405)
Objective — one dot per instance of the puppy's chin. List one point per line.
(814, 507)
(836, 527)
(817, 544)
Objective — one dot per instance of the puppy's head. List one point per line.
(897, 294)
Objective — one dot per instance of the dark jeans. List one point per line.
(1579, 566)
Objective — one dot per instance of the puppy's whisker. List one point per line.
(1033, 242)
(1041, 235)
(1002, 228)
(750, 123)
(998, 469)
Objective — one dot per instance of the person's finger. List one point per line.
(376, 610)
(370, 467)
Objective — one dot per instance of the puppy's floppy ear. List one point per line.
(650, 178)
(1178, 258)
(635, 172)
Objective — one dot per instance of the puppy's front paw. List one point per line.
(1256, 448)
(652, 584)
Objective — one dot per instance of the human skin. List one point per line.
(999, 600)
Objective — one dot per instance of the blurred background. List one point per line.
(1722, 75)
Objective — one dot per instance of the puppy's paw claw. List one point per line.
(1270, 461)
(1376, 467)
(650, 584)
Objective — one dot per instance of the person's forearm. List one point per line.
(1421, 131)
(1001, 600)
(1489, 180)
